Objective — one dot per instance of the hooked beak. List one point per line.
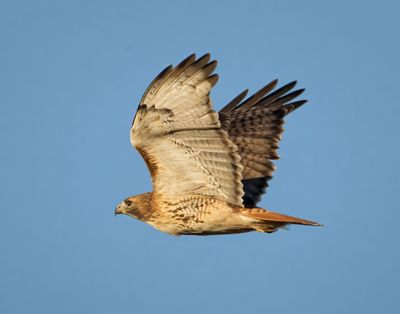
(117, 210)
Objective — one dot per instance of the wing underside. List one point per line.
(180, 137)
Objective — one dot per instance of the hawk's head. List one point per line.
(138, 206)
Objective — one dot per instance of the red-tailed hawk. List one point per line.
(208, 169)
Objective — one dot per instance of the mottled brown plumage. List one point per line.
(208, 170)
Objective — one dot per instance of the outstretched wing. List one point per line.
(180, 137)
(255, 126)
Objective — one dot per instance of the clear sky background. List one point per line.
(71, 75)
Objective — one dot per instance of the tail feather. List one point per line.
(268, 221)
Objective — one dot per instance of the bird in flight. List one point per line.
(208, 169)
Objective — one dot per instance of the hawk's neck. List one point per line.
(143, 208)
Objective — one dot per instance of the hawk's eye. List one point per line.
(128, 203)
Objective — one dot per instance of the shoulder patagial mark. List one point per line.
(150, 162)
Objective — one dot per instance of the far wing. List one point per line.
(255, 126)
(180, 137)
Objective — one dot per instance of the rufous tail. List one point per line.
(268, 221)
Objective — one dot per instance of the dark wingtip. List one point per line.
(274, 82)
(285, 88)
(254, 99)
(204, 58)
(289, 86)
(213, 79)
(235, 101)
(190, 59)
(294, 105)
(163, 72)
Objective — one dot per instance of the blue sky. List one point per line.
(71, 75)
